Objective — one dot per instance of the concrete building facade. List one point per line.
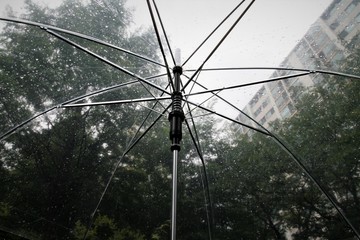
(323, 46)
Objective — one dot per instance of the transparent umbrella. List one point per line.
(192, 120)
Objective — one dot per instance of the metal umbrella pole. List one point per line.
(176, 118)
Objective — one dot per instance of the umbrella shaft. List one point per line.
(176, 117)
(174, 195)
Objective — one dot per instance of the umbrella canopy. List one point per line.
(260, 99)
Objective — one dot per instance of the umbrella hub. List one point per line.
(176, 116)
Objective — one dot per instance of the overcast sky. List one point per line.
(264, 37)
(270, 28)
(279, 24)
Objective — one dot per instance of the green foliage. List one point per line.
(4, 209)
(55, 169)
(105, 229)
(329, 119)
(324, 135)
(162, 232)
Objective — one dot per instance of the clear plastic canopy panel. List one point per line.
(179, 119)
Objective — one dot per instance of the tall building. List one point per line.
(324, 45)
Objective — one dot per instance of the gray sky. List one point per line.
(264, 37)
(278, 23)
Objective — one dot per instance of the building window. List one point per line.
(357, 18)
(344, 33)
(331, 9)
(269, 113)
(285, 113)
(257, 112)
(275, 74)
(285, 95)
(300, 49)
(321, 38)
(334, 25)
(272, 85)
(350, 27)
(265, 102)
(329, 49)
(280, 101)
(337, 59)
(262, 121)
(350, 8)
(261, 91)
(277, 90)
(253, 102)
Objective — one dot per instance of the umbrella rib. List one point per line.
(200, 115)
(19, 236)
(138, 130)
(99, 92)
(335, 73)
(213, 92)
(152, 109)
(221, 41)
(128, 149)
(12, 130)
(156, 76)
(308, 173)
(297, 160)
(102, 59)
(208, 201)
(300, 164)
(131, 145)
(197, 105)
(163, 29)
(114, 102)
(141, 80)
(232, 105)
(159, 41)
(216, 28)
(154, 97)
(270, 68)
(83, 36)
(316, 182)
(195, 81)
(249, 68)
(15, 234)
(6, 134)
(228, 118)
(148, 115)
(250, 84)
(207, 197)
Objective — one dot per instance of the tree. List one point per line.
(55, 168)
(260, 192)
(328, 119)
